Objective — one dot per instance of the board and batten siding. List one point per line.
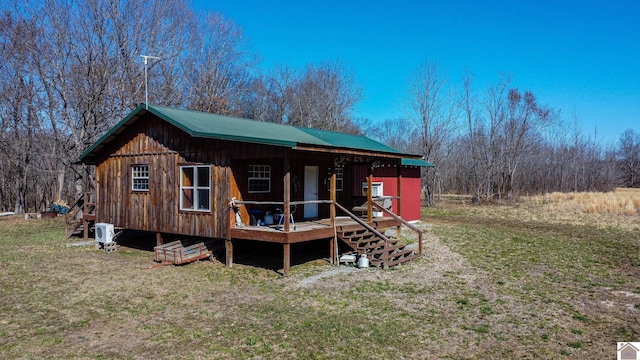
(164, 148)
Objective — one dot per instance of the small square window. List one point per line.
(259, 178)
(140, 177)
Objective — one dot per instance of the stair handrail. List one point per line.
(370, 228)
(403, 222)
(72, 214)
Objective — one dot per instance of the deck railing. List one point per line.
(344, 210)
(285, 211)
(403, 222)
(370, 228)
(85, 205)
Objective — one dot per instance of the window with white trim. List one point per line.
(140, 177)
(195, 187)
(339, 178)
(259, 178)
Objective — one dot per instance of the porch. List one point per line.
(305, 231)
(364, 236)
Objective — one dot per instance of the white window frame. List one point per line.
(196, 188)
(140, 177)
(339, 178)
(259, 173)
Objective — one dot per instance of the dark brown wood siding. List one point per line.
(164, 148)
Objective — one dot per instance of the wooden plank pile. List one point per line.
(183, 251)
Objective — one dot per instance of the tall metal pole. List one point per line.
(146, 91)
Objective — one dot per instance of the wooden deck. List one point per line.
(301, 232)
(304, 231)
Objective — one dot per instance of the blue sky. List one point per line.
(582, 57)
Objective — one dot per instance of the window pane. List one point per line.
(259, 185)
(140, 177)
(203, 199)
(140, 184)
(187, 198)
(187, 176)
(203, 176)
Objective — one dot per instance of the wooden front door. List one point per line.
(310, 191)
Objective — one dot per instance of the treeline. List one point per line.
(69, 70)
(500, 142)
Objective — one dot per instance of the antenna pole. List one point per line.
(146, 91)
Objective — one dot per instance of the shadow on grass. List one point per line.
(265, 255)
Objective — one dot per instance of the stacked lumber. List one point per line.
(183, 251)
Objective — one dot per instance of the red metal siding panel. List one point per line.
(410, 190)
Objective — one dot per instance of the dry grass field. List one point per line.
(549, 277)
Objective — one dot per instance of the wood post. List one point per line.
(370, 196)
(399, 201)
(85, 229)
(159, 240)
(286, 212)
(228, 245)
(333, 247)
(85, 211)
(286, 263)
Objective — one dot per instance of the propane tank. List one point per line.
(268, 218)
(363, 261)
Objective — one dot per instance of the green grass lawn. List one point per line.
(494, 284)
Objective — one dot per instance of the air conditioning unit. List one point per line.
(377, 189)
(104, 233)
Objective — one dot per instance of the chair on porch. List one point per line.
(280, 217)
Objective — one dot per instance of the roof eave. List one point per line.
(110, 133)
(359, 152)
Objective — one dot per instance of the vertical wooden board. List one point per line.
(172, 194)
(215, 193)
(193, 218)
(115, 190)
(228, 214)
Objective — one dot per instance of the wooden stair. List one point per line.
(364, 241)
(77, 228)
(81, 216)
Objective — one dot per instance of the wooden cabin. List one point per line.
(172, 171)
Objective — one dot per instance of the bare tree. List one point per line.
(433, 110)
(80, 68)
(18, 108)
(525, 120)
(469, 109)
(397, 133)
(628, 156)
(217, 68)
(323, 98)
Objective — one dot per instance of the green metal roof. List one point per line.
(342, 140)
(416, 162)
(214, 126)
